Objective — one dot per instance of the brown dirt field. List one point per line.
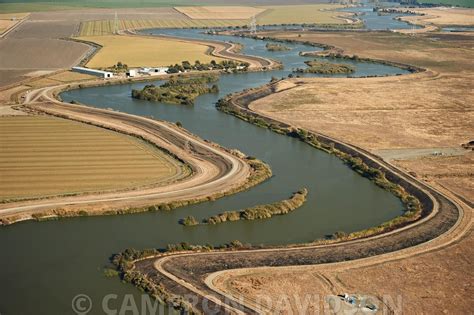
(426, 284)
(43, 156)
(44, 29)
(32, 54)
(107, 14)
(220, 13)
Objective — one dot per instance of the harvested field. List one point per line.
(141, 51)
(32, 54)
(299, 14)
(105, 27)
(44, 29)
(44, 156)
(220, 13)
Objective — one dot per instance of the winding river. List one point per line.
(44, 265)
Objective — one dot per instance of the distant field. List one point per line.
(10, 6)
(140, 51)
(105, 27)
(289, 14)
(220, 12)
(49, 156)
(460, 3)
(8, 20)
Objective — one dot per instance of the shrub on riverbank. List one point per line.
(225, 65)
(276, 47)
(315, 66)
(262, 211)
(189, 221)
(178, 91)
(413, 207)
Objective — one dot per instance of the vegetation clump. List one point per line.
(189, 221)
(178, 90)
(225, 65)
(262, 211)
(118, 68)
(276, 47)
(321, 67)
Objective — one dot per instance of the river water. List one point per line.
(44, 265)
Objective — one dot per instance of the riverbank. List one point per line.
(212, 167)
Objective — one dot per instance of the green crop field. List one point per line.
(459, 3)
(43, 156)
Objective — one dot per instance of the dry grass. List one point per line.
(59, 78)
(70, 76)
(432, 283)
(220, 12)
(443, 16)
(44, 156)
(380, 113)
(140, 51)
(427, 110)
(14, 16)
(315, 13)
(456, 173)
(6, 24)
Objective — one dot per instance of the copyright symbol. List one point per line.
(81, 304)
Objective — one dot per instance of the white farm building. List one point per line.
(97, 73)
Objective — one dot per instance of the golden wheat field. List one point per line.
(44, 156)
(220, 12)
(141, 51)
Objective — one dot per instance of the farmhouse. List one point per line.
(97, 73)
(152, 71)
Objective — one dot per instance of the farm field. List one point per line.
(140, 51)
(106, 27)
(44, 156)
(442, 16)
(461, 3)
(220, 13)
(316, 13)
(10, 6)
